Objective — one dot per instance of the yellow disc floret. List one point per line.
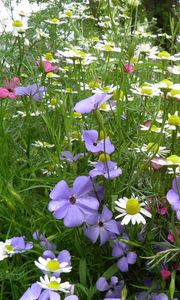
(53, 265)
(174, 120)
(164, 54)
(152, 147)
(53, 285)
(132, 206)
(147, 90)
(9, 248)
(17, 23)
(174, 159)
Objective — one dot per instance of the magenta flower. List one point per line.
(34, 91)
(101, 225)
(4, 93)
(91, 103)
(128, 68)
(94, 145)
(73, 204)
(173, 196)
(47, 66)
(10, 85)
(107, 169)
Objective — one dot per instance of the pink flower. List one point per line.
(162, 207)
(128, 68)
(171, 236)
(47, 67)
(10, 85)
(165, 274)
(4, 93)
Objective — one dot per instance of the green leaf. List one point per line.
(83, 271)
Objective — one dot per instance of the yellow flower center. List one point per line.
(132, 206)
(54, 20)
(164, 54)
(17, 23)
(69, 13)
(174, 120)
(9, 248)
(167, 83)
(147, 90)
(49, 56)
(103, 106)
(53, 265)
(152, 147)
(53, 101)
(118, 95)
(154, 128)
(53, 285)
(175, 92)
(108, 48)
(93, 84)
(103, 157)
(174, 159)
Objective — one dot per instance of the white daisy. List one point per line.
(131, 209)
(54, 284)
(152, 149)
(52, 265)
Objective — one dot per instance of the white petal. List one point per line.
(126, 220)
(140, 219)
(120, 209)
(121, 215)
(134, 219)
(146, 213)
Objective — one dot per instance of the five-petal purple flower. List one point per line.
(91, 103)
(94, 145)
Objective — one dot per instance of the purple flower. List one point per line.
(107, 169)
(69, 157)
(93, 145)
(173, 196)
(33, 90)
(43, 241)
(73, 204)
(153, 296)
(102, 226)
(49, 295)
(114, 288)
(126, 257)
(91, 103)
(32, 293)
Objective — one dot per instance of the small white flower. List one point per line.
(54, 284)
(152, 149)
(52, 265)
(131, 209)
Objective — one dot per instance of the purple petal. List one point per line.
(106, 214)
(74, 217)
(82, 185)
(60, 191)
(114, 280)
(49, 295)
(176, 184)
(102, 284)
(90, 136)
(104, 236)
(122, 264)
(64, 256)
(20, 91)
(92, 233)
(32, 293)
(56, 205)
(48, 254)
(71, 297)
(88, 204)
(61, 212)
(66, 155)
(106, 146)
(131, 258)
(111, 226)
(91, 103)
(76, 157)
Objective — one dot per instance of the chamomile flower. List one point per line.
(54, 284)
(131, 210)
(174, 70)
(152, 149)
(147, 89)
(52, 265)
(173, 121)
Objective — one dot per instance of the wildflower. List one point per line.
(173, 196)
(32, 293)
(13, 246)
(108, 169)
(34, 91)
(43, 241)
(171, 236)
(45, 145)
(10, 85)
(134, 3)
(101, 225)
(128, 68)
(49, 263)
(107, 47)
(174, 69)
(126, 257)
(94, 145)
(131, 209)
(54, 284)
(73, 204)
(69, 157)
(113, 288)
(153, 149)
(5, 93)
(46, 66)
(91, 103)
(17, 23)
(165, 273)
(147, 90)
